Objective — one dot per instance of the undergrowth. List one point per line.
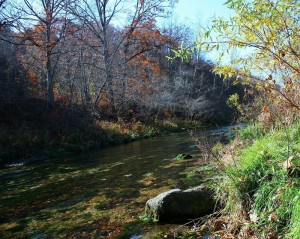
(30, 142)
(260, 191)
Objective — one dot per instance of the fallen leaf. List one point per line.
(287, 164)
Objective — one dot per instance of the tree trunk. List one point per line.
(50, 85)
(108, 72)
(50, 82)
(124, 81)
(49, 71)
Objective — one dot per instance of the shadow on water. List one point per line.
(94, 195)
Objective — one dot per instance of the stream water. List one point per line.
(96, 195)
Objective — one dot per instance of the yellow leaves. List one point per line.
(266, 26)
(227, 71)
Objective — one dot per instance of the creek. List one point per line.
(98, 194)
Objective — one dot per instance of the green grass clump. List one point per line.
(183, 157)
(295, 218)
(265, 181)
(253, 131)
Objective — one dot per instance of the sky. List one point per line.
(192, 12)
(200, 11)
(196, 13)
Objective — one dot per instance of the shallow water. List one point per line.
(95, 195)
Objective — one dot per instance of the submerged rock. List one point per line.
(177, 204)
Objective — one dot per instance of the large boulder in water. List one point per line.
(177, 204)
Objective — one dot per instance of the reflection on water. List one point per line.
(93, 195)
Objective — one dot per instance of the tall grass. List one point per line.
(265, 182)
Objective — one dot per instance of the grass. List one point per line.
(252, 132)
(263, 186)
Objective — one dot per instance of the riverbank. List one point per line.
(258, 184)
(35, 140)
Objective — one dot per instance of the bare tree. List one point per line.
(42, 26)
(2, 19)
(99, 15)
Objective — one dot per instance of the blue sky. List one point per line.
(200, 11)
(196, 13)
(186, 12)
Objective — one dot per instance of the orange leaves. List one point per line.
(145, 33)
(32, 75)
(265, 109)
(143, 43)
(146, 72)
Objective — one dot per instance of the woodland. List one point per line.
(73, 79)
(77, 75)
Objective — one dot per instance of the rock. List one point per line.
(177, 204)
